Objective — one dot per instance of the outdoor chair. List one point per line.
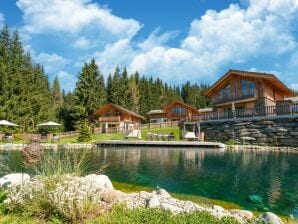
(8, 137)
(171, 137)
(55, 138)
(159, 137)
(149, 136)
(43, 138)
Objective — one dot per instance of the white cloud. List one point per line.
(52, 62)
(83, 43)
(157, 40)
(67, 80)
(120, 53)
(235, 35)
(232, 35)
(73, 16)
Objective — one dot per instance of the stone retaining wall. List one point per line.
(9, 146)
(274, 131)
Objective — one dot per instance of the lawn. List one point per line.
(113, 136)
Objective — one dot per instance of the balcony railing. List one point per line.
(231, 97)
(250, 112)
(109, 119)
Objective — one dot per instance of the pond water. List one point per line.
(258, 181)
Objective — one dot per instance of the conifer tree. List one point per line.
(89, 93)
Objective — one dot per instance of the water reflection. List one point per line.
(257, 180)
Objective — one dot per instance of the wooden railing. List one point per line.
(109, 119)
(231, 97)
(250, 112)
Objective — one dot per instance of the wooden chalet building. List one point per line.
(175, 111)
(116, 118)
(245, 91)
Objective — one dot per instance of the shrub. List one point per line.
(55, 164)
(73, 199)
(85, 132)
(56, 189)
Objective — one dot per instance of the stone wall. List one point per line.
(275, 131)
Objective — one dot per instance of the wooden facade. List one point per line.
(245, 90)
(112, 116)
(175, 111)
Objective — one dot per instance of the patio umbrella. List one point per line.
(8, 123)
(49, 123)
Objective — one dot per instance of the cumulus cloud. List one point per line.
(67, 79)
(156, 39)
(51, 62)
(235, 35)
(83, 43)
(73, 16)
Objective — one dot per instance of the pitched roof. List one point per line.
(121, 109)
(159, 111)
(179, 102)
(267, 76)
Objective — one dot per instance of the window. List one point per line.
(178, 110)
(226, 92)
(117, 113)
(247, 88)
(107, 114)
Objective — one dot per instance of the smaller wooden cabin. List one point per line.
(175, 111)
(246, 90)
(113, 118)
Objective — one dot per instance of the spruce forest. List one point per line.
(27, 96)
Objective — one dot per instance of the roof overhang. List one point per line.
(266, 76)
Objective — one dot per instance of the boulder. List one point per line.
(172, 208)
(218, 208)
(242, 213)
(163, 193)
(268, 218)
(13, 179)
(153, 202)
(102, 181)
(111, 196)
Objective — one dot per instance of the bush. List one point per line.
(55, 164)
(56, 189)
(85, 132)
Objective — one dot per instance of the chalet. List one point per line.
(116, 118)
(242, 90)
(175, 111)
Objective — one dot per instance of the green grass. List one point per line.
(203, 201)
(122, 215)
(112, 136)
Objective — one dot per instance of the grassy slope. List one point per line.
(113, 136)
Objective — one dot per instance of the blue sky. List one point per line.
(178, 41)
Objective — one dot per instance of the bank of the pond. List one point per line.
(263, 148)
(109, 198)
(132, 143)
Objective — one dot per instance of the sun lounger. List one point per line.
(132, 134)
(190, 136)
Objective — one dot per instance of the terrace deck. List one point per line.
(141, 143)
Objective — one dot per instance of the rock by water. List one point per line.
(13, 179)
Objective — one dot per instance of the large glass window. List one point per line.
(226, 92)
(247, 87)
(178, 110)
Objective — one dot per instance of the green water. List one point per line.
(258, 181)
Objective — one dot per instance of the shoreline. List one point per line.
(19, 147)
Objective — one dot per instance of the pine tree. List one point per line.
(57, 95)
(89, 93)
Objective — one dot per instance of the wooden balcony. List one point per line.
(232, 97)
(109, 119)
